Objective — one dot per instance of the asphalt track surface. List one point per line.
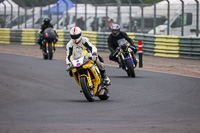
(38, 96)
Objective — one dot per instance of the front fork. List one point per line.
(47, 47)
(122, 56)
(92, 83)
(124, 59)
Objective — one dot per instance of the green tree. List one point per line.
(30, 3)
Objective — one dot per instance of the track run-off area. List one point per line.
(38, 95)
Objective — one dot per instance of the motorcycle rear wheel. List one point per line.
(50, 54)
(86, 90)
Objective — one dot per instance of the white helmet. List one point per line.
(76, 34)
(115, 29)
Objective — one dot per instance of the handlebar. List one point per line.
(132, 47)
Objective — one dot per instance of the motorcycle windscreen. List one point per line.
(49, 33)
(121, 42)
(78, 62)
(78, 52)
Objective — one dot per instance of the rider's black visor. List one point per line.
(75, 36)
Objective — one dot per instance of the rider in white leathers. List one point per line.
(75, 47)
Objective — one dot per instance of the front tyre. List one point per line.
(86, 90)
(130, 71)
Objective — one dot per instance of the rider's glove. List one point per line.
(130, 50)
(94, 53)
(133, 48)
(68, 66)
(94, 56)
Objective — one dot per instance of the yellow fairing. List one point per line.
(96, 81)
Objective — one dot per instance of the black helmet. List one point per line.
(115, 29)
(46, 21)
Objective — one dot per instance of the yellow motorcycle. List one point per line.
(88, 77)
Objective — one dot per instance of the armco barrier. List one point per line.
(156, 45)
(166, 46)
(189, 47)
(4, 35)
(148, 44)
(16, 36)
(102, 44)
(28, 37)
(147, 41)
(61, 35)
(92, 36)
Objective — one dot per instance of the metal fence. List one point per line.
(175, 17)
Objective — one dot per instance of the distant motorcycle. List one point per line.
(48, 43)
(88, 77)
(125, 57)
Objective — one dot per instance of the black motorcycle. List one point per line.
(48, 43)
(125, 56)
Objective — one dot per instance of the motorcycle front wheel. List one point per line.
(130, 71)
(86, 90)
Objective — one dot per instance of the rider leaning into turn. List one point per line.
(46, 24)
(78, 42)
(112, 42)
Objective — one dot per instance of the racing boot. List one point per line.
(105, 77)
(40, 46)
(55, 41)
(42, 49)
(120, 64)
(135, 60)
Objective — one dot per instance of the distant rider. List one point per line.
(113, 45)
(46, 24)
(78, 43)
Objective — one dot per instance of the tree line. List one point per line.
(31, 3)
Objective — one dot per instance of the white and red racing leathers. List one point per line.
(76, 50)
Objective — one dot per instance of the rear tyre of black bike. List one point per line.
(50, 54)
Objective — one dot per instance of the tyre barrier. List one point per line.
(155, 45)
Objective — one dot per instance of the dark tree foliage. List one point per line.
(115, 1)
(105, 1)
(30, 3)
(150, 1)
(37, 3)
